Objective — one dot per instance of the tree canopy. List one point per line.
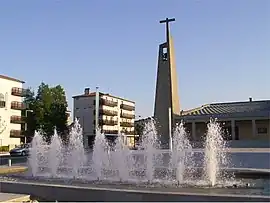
(48, 110)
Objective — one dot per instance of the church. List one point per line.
(245, 120)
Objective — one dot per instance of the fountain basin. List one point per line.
(79, 190)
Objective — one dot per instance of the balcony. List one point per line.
(106, 112)
(17, 119)
(126, 115)
(16, 91)
(2, 104)
(107, 122)
(129, 133)
(110, 132)
(18, 105)
(106, 102)
(126, 124)
(16, 133)
(127, 107)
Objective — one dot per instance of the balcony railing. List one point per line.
(2, 104)
(18, 105)
(106, 112)
(126, 115)
(110, 131)
(127, 107)
(129, 133)
(107, 122)
(126, 124)
(17, 119)
(106, 102)
(16, 133)
(16, 91)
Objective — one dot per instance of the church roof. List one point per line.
(229, 108)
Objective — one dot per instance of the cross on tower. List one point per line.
(167, 21)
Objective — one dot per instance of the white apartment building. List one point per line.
(11, 106)
(116, 116)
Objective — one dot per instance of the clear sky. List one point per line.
(222, 47)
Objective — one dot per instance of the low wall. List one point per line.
(51, 192)
(239, 144)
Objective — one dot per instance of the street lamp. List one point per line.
(97, 110)
(26, 116)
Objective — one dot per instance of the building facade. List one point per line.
(115, 116)
(240, 120)
(11, 107)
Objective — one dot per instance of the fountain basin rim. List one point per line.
(144, 191)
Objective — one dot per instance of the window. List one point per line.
(2, 97)
(164, 54)
(262, 130)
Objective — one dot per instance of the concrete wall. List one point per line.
(6, 112)
(51, 192)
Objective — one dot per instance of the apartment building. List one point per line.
(115, 116)
(11, 106)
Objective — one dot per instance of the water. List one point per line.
(37, 153)
(75, 148)
(149, 144)
(121, 159)
(55, 154)
(100, 155)
(181, 152)
(215, 152)
(149, 164)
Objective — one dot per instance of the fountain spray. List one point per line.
(214, 153)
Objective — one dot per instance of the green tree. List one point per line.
(139, 127)
(49, 107)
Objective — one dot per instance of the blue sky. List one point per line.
(222, 47)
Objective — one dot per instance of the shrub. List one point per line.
(4, 148)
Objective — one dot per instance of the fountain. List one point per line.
(36, 153)
(215, 153)
(55, 153)
(75, 149)
(118, 163)
(118, 167)
(100, 154)
(121, 159)
(149, 145)
(181, 152)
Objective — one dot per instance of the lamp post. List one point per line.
(97, 109)
(26, 116)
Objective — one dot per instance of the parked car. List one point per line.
(21, 150)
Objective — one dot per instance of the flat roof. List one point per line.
(10, 78)
(93, 94)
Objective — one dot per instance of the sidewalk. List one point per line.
(10, 197)
(4, 154)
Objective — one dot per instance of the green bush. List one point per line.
(4, 148)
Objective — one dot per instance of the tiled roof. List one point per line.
(229, 108)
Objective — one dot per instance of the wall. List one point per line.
(69, 193)
(7, 112)
(83, 110)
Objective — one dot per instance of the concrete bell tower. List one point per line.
(166, 99)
